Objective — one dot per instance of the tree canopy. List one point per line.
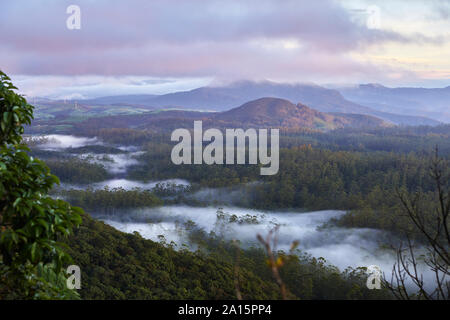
(31, 222)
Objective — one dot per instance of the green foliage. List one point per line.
(121, 136)
(71, 169)
(42, 282)
(94, 149)
(15, 112)
(117, 265)
(75, 170)
(112, 200)
(30, 221)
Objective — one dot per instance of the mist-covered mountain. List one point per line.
(426, 102)
(222, 98)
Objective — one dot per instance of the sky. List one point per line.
(159, 46)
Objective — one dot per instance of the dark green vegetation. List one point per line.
(77, 171)
(94, 149)
(125, 266)
(420, 139)
(108, 201)
(31, 259)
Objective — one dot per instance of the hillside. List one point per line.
(117, 265)
(274, 112)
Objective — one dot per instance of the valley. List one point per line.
(176, 209)
(333, 204)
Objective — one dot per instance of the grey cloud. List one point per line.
(186, 38)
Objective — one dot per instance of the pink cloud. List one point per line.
(185, 38)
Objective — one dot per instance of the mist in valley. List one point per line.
(342, 247)
(59, 142)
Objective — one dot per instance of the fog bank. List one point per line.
(342, 247)
(57, 142)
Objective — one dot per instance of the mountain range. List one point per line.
(422, 102)
(223, 98)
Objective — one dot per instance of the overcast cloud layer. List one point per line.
(291, 40)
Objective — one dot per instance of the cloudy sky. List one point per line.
(158, 46)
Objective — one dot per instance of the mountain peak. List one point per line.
(281, 113)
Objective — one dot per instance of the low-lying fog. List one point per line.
(114, 163)
(342, 247)
(339, 246)
(129, 184)
(56, 142)
(126, 184)
(117, 164)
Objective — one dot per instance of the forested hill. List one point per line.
(275, 112)
(117, 265)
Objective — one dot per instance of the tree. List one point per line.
(31, 257)
(433, 224)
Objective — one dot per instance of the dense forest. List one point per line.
(108, 201)
(126, 266)
(366, 184)
(354, 170)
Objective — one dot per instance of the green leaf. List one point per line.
(33, 251)
(17, 202)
